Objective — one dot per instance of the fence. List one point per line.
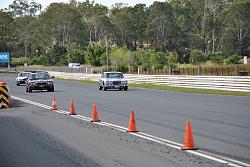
(229, 83)
(229, 70)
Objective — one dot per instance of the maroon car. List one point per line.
(39, 81)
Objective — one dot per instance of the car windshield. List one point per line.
(23, 74)
(114, 75)
(36, 76)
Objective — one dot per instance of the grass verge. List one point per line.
(171, 88)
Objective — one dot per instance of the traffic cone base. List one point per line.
(95, 116)
(132, 125)
(72, 108)
(187, 148)
(189, 140)
(95, 120)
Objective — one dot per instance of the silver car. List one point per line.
(22, 77)
(113, 80)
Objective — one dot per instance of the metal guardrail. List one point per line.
(229, 83)
(12, 69)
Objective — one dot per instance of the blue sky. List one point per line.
(109, 3)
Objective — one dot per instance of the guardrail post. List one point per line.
(237, 70)
(199, 70)
(169, 70)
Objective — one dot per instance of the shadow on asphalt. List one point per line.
(16, 103)
(44, 91)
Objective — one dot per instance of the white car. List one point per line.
(112, 80)
(75, 65)
(21, 78)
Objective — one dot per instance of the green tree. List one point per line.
(7, 34)
(161, 26)
(129, 25)
(55, 55)
(24, 14)
(95, 16)
(172, 57)
(236, 35)
(119, 56)
(62, 29)
(94, 53)
(75, 54)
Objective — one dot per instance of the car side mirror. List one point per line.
(52, 76)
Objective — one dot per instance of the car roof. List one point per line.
(35, 71)
(112, 72)
(24, 72)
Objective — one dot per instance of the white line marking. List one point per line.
(157, 141)
(226, 158)
(207, 156)
(217, 158)
(158, 138)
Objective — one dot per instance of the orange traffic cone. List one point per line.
(189, 140)
(95, 116)
(53, 107)
(132, 126)
(72, 108)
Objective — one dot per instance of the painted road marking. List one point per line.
(214, 157)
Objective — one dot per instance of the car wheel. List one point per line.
(105, 88)
(126, 88)
(100, 87)
(120, 88)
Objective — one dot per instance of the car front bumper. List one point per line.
(21, 82)
(117, 86)
(39, 87)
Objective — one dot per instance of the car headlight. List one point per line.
(124, 82)
(32, 83)
(50, 82)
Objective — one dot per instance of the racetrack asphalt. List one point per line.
(220, 123)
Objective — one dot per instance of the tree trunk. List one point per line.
(204, 27)
(213, 33)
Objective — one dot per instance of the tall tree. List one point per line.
(161, 26)
(96, 18)
(24, 13)
(237, 31)
(6, 30)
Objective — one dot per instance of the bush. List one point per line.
(95, 54)
(234, 59)
(122, 68)
(172, 57)
(217, 59)
(197, 56)
(20, 60)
